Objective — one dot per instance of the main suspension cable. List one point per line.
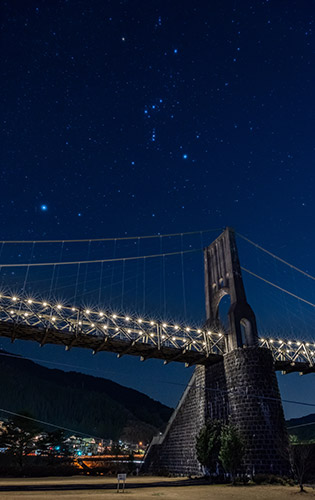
(98, 261)
(123, 238)
(277, 286)
(276, 257)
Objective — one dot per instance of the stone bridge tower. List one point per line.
(241, 389)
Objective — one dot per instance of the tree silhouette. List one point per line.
(18, 436)
(208, 444)
(232, 450)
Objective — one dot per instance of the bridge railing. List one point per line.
(47, 317)
(88, 322)
(290, 352)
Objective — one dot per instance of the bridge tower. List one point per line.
(241, 389)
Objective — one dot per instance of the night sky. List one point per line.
(132, 118)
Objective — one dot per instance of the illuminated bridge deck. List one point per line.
(39, 321)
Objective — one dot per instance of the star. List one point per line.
(44, 208)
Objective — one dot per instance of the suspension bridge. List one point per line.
(48, 321)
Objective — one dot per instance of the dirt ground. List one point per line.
(140, 488)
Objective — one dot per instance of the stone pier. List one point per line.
(242, 389)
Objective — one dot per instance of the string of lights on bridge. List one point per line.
(132, 330)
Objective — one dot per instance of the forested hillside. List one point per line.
(81, 402)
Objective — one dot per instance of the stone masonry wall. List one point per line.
(175, 451)
(243, 390)
(255, 408)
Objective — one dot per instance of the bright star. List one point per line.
(43, 208)
(185, 157)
